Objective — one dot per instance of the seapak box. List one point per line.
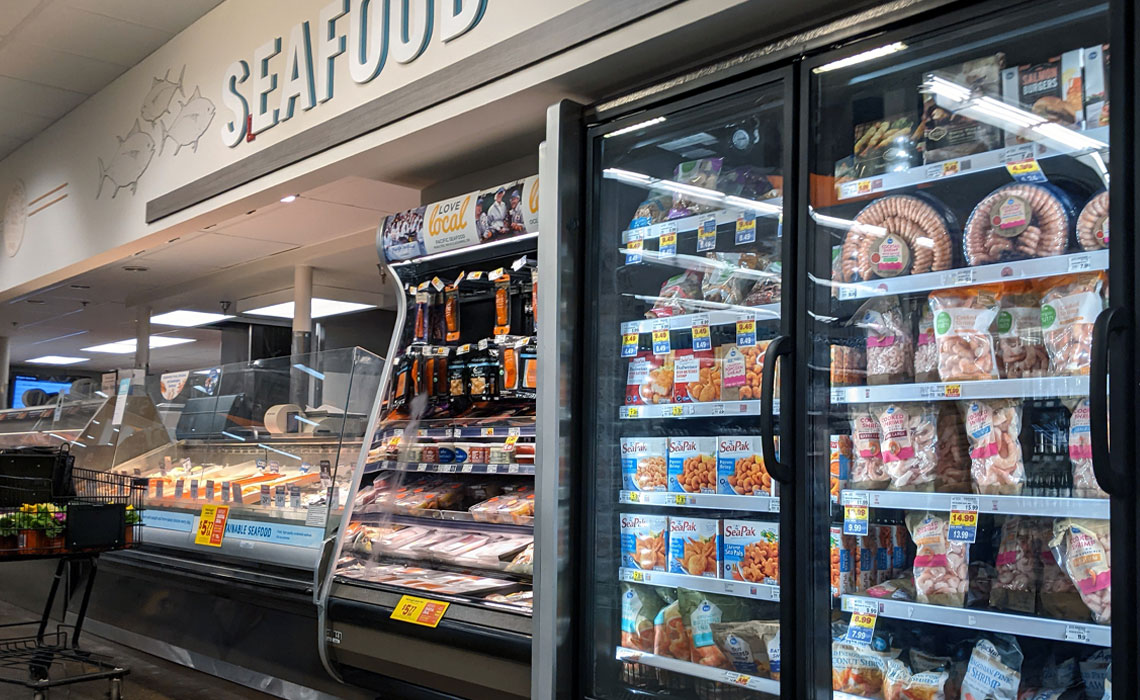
(644, 541)
(740, 467)
(865, 562)
(692, 464)
(751, 551)
(695, 547)
(644, 463)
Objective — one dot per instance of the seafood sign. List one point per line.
(189, 124)
(131, 159)
(161, 93)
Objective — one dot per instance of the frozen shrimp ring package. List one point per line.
(901, 234)
(1092, 224)
(1018, 221)
(993, 428)
(941, 567)
(1083, 550)
(1069, 307)
(962, 319)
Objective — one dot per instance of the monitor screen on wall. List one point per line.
(24, 383)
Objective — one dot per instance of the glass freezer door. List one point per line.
(959, 254)
(684, 535)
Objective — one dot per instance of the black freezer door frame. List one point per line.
(704, 93)
(814, 677)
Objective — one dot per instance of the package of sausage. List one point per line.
(1092, 224)
(962, 319)
(692, 464)
(696, 376)
(940, 566)
(451, 309)
(644, 541)
(1069, 307)
(649, 380)
(1083, 551)
(740, 467)
(751, 551)
(695, 546)
(644, 464)
(1017, 221)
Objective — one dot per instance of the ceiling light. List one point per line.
(123, 347)
(57, 360)
(861, 57)
(184, 318)
(634, 127)
(289, 198)
(318, 308)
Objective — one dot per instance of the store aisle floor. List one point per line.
(151, 678)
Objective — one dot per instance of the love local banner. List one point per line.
(511, 209)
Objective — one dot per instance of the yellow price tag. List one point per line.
(212, 525)
(678, 410)
(965, 518)
(700, 332)
(953, 391)
(394, 441)
(419, 611)
(511, 439)
(741, 679)
(634, 497)
(864, 187)
(855, 512)
(488, 432)
(950, 167)
(680, 499)
(743, 327)
(632, 411)
(863, 620)
(637, 576)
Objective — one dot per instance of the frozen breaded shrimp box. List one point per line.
(644, 541)
(751, 551)
(644, 463)
(740, 467)
(692, 464)
(695, 547)
(842, 562)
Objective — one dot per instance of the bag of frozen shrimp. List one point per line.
(1083, 550)
(940, 566)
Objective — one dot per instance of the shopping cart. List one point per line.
(51, 510)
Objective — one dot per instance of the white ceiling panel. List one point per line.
(367, 193)
(40, 100)
(230, 251)
(12, 12)
(94, 36)
(45, 65)
(164, 15)
(17, 124)
(301, 222)
(8, 144)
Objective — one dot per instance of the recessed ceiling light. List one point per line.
(319, 308)
(289, 198)
(184, 318)
(35, 301)
(123, 347)
(80, 286)
(135, 268)
(57, 360)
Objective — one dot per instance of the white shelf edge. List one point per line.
(1022, 388)
(692, 223)
(741, 589)
(1085, 261)
(712, 317)
(968, 618)
(694, 410)
(1003, 505)
(719, 501)
(957, 167)
(719, 675)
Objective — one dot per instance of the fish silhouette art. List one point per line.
(130, 161)
(189, 124)
(161, 93)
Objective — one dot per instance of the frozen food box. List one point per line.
(1096, 86)
(840, 463)
(1052, 89)
(696, 376)
(649, 380)
(751, 551)
(644, 541)
(948, 134)
(885, 145)
(900, 541)
(842, 562)
(644, 465)
(692, 464)
(865, 562)
(740, 467)
(695, 546)
(883, 549)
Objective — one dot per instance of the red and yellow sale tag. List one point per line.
(212, 525)
(419, 611)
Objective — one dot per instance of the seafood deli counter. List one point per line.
(238, 507)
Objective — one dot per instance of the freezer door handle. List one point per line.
(779, 347)
(1111, 321)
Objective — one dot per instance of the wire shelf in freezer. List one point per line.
(1002, 505)
(694, 410)
(1010, 623)
(717, 501)
(1022, 388)
(765, 685)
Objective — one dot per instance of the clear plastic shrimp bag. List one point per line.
(941, 567)
(993, 428)
(1083, 550)
(925, 348)
(890, 342)
(962, 319)
(1069, 308)
(1085, 484)
(867, 470)
(953, 473)
(1018, 566)
(1021, 351)
(909, 439)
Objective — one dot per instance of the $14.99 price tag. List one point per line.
(963, 520)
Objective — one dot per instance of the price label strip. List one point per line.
(212, 525)
(861, 629)
(419, 611)
(855, 514)
(963, 520)
(629, 344)
(661, 344)
(706, 235)
(745, 231)
(746, 333)
(668, 246)
(634, 255)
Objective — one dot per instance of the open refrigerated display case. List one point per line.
(687, 519)
(958, 262)
(443, 507)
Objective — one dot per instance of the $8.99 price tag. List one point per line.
(861, 629)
